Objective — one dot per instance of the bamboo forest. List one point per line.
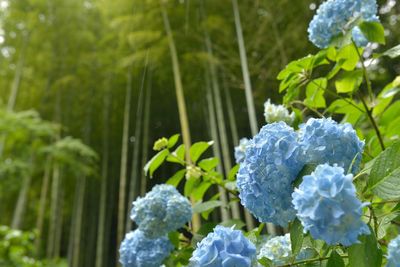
(199, 133)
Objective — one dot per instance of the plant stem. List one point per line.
(308, 261)
(369, 88)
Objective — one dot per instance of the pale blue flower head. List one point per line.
(277, 113)
(137, 250)
(161, 210)
(279, 250)
(224, 247)
(394, 253)
(328, 207)
(273, 161)
(326, 141)
(240, 150)
(334, 17)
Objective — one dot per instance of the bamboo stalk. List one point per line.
(101, 229)
(124, 161)
(136, 145)
(196, 222)
(216, 148)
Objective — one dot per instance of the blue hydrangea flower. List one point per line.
(279, 251)
(394, 253)
(273, 161)
(240, 150)
(224, 247)
(161, 210)
(327, 206)
(137, 250)
(326, 141)
(334, 17)
(277, 113)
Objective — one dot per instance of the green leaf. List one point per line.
(200, 190)
(335, 260)
(178, 156)
(349, 56)
(174, 238)
(385, 222)
(172, 140)
(296, 236)
(388, 187)
(197, 149)
(385, 163)
(205, 206)
(190, 185)
(265, 262)
(392, 52)
(349, 81)
(373, 31)
(208, 164)
(365, 254)
(239, 224)
(155, 162)
(176, 178)
(315, 93)
(232, 173)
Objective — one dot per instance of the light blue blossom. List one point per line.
(240, 150)
(277, 113)
(279, 250)
(327, 206)
(162, 210)
(334, 17)
(326, 141)
(224, 247)
(394, 253)
(137, 250)
(273, 161)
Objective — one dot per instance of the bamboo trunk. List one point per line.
(124, 161)
(133, 188)
(21, 202)
(55, 188)
(42, 206)
(145, 144)
(216, 148)
(101, 229)
(196, 222)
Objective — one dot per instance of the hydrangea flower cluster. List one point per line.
(273, 161)
(137, 250)
(394, 253)
(240, 150)
(326, 141)
(224, 247)
(162, 210)
(327, 206)
(334, 17)
(277, 113)
(279, 250)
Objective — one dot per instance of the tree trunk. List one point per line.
(145, 144)
(42, 206)
(133, 188)
(216, 147)
(227, 163)
(22, 197)
(55, 189)
(124, 161)
(101, 229)
(196, 222)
